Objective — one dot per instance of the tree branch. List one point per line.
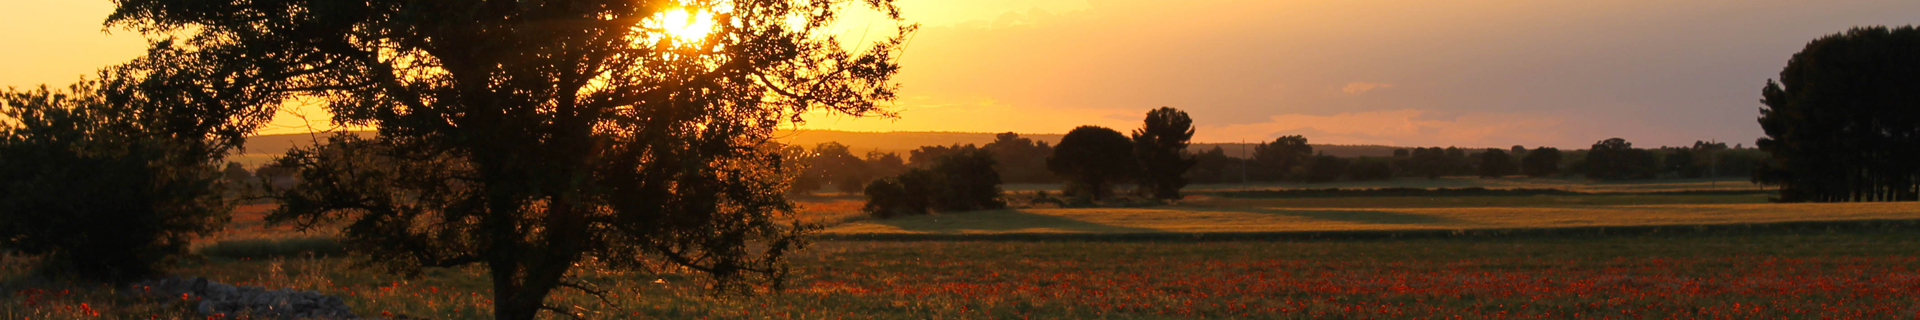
(602, 294)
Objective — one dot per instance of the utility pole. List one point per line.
(1244, 156)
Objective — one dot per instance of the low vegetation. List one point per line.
(1844, 273)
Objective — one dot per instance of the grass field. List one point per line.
(1858, 274)
(1386, 214)
(1869, 269)
(1576, 184)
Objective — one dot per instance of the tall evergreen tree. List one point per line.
(1161, 146)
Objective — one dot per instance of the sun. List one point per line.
(687, 25)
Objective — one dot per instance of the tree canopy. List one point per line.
(1275, 160)
(1541, 162)
(1161, 144)
(1843, 121)
(119, 171)
(1615, 159)
(552, 132)
(1093, 159)
(1495, 163)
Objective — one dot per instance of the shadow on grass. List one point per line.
(1001, 221)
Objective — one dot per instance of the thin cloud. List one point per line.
(1363, 87)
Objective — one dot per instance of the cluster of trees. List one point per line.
(1094, 159)
(959, 181)
(833, 165)
(1091, 159)
(1842, 122)
(1290, 158)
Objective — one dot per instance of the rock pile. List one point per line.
(223, 299)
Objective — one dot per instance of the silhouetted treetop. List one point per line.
(1842, 122)
(1093, 159)
(1161, 144)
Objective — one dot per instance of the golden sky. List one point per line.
(1480, 73)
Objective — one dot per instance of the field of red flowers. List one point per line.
(1823, 275)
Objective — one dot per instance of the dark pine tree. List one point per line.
(1161, 146)
(1842, 122)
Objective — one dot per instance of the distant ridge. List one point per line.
(262, 149)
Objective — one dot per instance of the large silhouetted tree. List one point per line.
(1161, 146)
(1093, 159)
(1843, 122)
(537, 136)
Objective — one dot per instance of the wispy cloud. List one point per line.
(1363, 87)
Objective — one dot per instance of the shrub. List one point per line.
(967, 181)
(902, 195)
(90, 179)
(960, 181)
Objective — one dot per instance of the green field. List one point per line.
(1747, 259)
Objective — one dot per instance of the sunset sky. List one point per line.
(1473, 73)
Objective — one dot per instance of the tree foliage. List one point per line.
(1541, 162)
(1273, 161)
(555, 132)
(1161, 146)
(1326, 168)
(960, 181)
(1214, 166)
(1093, 159)
(967, 180)
(1616, 159)
(1843, 121)
(835, 163)
(1021, 159)
(1370, 169)
(1495, 163)
(910, 193)
(118, 172)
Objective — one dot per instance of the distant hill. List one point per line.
(261, 149)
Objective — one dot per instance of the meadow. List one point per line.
(1839, 261)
